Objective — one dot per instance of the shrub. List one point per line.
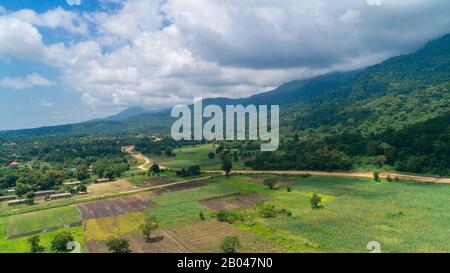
(229, 216)
(118, 246)
(315, 201)
(266, 210)
(230, 244)
(270, 183)
(61, 240)
(35, 246)
(376, 176)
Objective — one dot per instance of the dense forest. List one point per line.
(44, 163)
(422, 148)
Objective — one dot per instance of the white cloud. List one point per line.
(159, 53)
(19, 39)
(28, 81)
(374, 2)
(74, 2)
(54, 18)
(45, 103)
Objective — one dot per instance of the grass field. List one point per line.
(36, 221)
(106, 228)
(139, 178)
(194, 155)
(20, 245)
(402, 216)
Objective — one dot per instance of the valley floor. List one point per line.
(401, 216)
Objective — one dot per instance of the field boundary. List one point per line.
(101, 197)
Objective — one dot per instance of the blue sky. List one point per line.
(62, 63)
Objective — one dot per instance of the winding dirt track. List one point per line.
(417, 178)
(130, 150)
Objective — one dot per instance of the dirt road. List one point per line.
(345, 174)
(139, 156)
(147, 161)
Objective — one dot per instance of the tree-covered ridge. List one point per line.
(396, 93)
(420, 148)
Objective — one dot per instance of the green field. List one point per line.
(36, 221)
(401, 216)
(194, 155)
(20, 245)
(138, 178)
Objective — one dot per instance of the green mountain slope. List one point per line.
(395, 115)
(399, 92)
(138, 120)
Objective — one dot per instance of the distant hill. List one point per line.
(294, 91)
(138, 119)
(397, 93)
(128, 113)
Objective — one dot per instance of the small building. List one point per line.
(60, 196)
(72, 183)
(17, 202)
(7, 198)
(11, 190)
(14, 164)
(43, 193)
(102, 180)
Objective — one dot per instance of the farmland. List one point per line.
(402, 216)
(196, 215)
(41, 220)
(194, 155)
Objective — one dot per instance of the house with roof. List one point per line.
(14, 164)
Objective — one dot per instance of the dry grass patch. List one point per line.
(110, 187)
(103, 229)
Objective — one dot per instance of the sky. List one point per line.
(64, 61)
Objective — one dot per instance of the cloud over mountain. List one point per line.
(158, 53)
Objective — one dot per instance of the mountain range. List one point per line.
(397, 93)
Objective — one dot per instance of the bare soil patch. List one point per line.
(179, 187)
(114, 206)
(196, 237)
(156, 181)
(238, 201)
(161, 243)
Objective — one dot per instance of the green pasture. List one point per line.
(39, 220)
(21, 245)
(194, 155)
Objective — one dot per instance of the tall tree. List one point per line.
(148, 227)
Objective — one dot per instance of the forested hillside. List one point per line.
(395, 114)
(396, 93)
